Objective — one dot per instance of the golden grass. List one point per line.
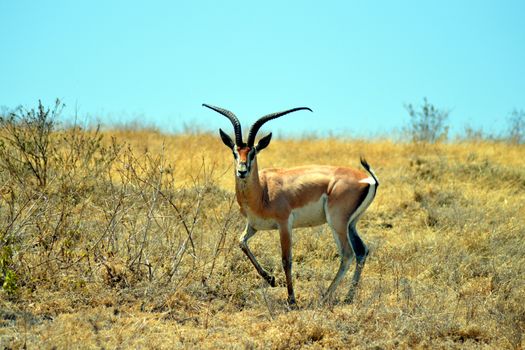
(446, 268)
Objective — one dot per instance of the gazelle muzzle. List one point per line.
(242, 170)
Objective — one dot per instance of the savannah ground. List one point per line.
(129, 239)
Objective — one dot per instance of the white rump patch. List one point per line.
(368, 180)
(368, 199)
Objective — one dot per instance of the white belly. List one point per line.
(261, 224)
(312, 214)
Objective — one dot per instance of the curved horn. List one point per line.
(233, 119)
(257, 125)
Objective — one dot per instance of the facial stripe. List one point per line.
(244, 157)
(243, 153)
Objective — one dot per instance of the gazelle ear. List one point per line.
(226, 139)
(263, 143)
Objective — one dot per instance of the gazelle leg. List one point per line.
(360, 252)
(345, 251)
(243, 243)
(286, 250)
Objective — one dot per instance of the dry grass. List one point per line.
(145, 253)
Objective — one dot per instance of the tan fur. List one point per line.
(299, 197)
(274, 193)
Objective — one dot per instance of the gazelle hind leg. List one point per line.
(345, 252)
(243, 243)
(360, 252)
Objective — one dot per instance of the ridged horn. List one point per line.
(235, 122)
(257, 125)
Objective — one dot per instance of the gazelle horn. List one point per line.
(257, 125)
(233, 119)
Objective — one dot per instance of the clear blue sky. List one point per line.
(355, 63)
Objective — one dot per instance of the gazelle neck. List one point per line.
(249, 190)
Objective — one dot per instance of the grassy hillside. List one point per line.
(131, 242)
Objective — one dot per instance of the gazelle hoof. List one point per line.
(270, 280)
(349, 299)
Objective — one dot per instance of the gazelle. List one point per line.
(298, 197)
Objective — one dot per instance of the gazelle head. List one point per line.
(245, 153)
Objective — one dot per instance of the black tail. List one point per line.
(368, 168)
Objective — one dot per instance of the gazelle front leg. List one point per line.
(248, 233)
(285, 232)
